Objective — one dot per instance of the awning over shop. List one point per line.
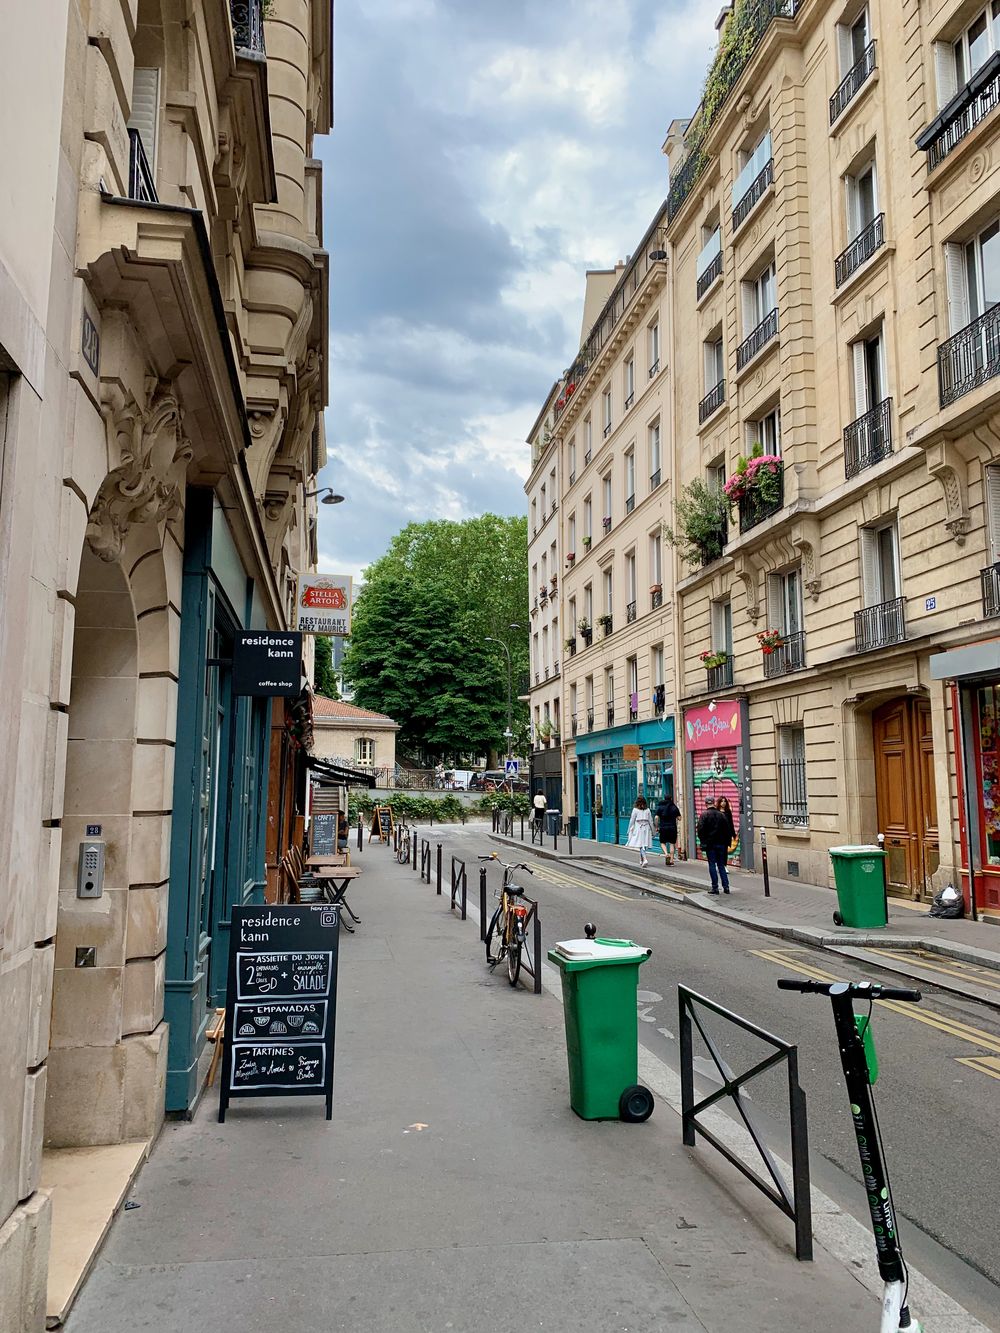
(978, 660)
(350, 777)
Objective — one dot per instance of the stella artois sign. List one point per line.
(323, 604)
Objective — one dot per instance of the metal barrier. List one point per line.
(532, 962)
(483, 920)
(425, 860)
(439, 869)
(459, 884)
(413, 844)
(793, 1201)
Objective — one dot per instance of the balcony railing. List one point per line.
(656, 599)
(573, 726)
(712, 401)
(860, 250)
(710, 274)
(852, 82)
(720, 677)
(555, 668)
(629, 503)
(683, 181)
(793, 809)
(571, 647)
(654, 479)
(762, 334)
(707, 554)
(755, 507)
(630, 613)
(659, 699)
(590, 719)
(758, 187)
(868, 440)
(654, 369)
(878, 626)
(607, 429)
(990, 577)
(970, 358)
(248, 26)
(629, 400)
(586, 458)
(140, 178)
(611, 715)
(607, 524)
(963, 113)
(790, 655)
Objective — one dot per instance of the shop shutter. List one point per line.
(145, 115)
(958, 286)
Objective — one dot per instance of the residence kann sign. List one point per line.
(266, 663)
(323, 604)
(281, 1003)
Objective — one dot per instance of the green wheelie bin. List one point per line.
(859, 873)
(600, 979)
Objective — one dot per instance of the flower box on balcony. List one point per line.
(586, 543)
(758, 476)
(571, 558)
(605, 622)
(770, 640)
(570, 645)
(711, 660)
(654, 588)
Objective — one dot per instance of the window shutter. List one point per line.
(749, 308)
(992, 486)
(775, 602)
(845, 49)
(945, 73)
(145, 115)
(958, 286)
(861, 403)
(870, 591)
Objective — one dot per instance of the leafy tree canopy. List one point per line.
(326, 677)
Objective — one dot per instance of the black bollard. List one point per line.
(439, 869)
(763, 862)
(482, 902)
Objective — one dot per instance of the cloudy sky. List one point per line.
(484, 154)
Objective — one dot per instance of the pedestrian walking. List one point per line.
(539, 806)
(640, 829)
(713, 834)
(723, 804)
(667, 815)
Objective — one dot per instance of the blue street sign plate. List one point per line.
(510, 768)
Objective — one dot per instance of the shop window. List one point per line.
(988, 697)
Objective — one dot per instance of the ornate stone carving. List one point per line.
(805, 539)
(945, 464)
(146, 485)
(746, 571)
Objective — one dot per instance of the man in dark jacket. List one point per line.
(713, 834)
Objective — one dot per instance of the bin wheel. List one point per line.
(838, 920)
(635, 1105)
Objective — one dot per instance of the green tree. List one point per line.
(326, 677)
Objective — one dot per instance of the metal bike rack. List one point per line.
(793, 1199)
(459, 886)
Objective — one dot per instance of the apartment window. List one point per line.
(572, 707)
(364, 751)
(760, 297)
(714, 363)
(572, 615)
(606, 412)
(571, 460)
(653, 340)
(715, 476)
(588, 519)
(991, 486)
(588, 439)
(534, 516)
(629, 381)
(722, 626)
(880, 564)
(654, 454)
(552, 488)
(609, 694)
(977, 43)
(793, 805)
(656, 664)
(143, 123)
(868, 356)
(709, 263)
(608, 593)
(853, 39)
(588, 692)
(588, 604)
(752, 163)
(535, 655)
(632, 676)
(534, 580)
(542, 501)
(630, 481)
(606, 489)
(785, 601)
(571, 533)
(862, 199)
(973, 273)
(656, 560)
(765, 431)
(630, 587)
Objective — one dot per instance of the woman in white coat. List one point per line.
(640, 829)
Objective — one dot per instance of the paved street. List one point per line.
(934, 1109)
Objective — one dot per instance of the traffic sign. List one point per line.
(510, 768)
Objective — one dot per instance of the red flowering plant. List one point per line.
(714, 659)
(769, 639)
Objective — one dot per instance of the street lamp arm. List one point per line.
(488, 638)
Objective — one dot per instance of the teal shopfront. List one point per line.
(613, 766)
(220, 788)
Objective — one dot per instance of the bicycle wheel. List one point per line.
(494, 939)
(514, 957)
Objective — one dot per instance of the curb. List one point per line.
(697, 897)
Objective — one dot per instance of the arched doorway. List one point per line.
(904, 791)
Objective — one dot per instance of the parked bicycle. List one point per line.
(402, 844)
(506, 934)
(860, 1064)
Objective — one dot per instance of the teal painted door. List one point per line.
(607, 824)
(627, 791)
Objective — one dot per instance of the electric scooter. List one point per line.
(860, 1063)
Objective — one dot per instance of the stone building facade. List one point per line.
(164, 346)
(354, 737)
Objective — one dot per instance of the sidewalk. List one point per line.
(454, 1189)
(804, 913)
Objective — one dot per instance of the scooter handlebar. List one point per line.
(865, 990)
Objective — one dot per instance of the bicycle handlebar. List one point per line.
(865, 990)
(517, 865)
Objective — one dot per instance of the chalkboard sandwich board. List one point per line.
(281, 1003)
(323, 834)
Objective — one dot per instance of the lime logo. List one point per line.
(855, 1109)
(885, 1194)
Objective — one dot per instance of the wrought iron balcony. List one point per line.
(755, 507)
(555, 668)
(759, 338)
(629, 400)
(572, 478)
(629, 503)
(607, 624)
(654, 479)
(710, 274)
(140, 178)
(656, 599)
(790, 655)
(878, 626)
(793, 809)
(990, 578)
(543, 593)
(710, 554)
(684, 181)
(712, 401)
(611, 715)
(956, 121)
(755, 192)
(720, 677)
(659, 699)
(633, 713)
(248, 26)
(860, 250)
(586, 458)
(868, 440)
(573, 726)
(546, 673)
(590, 719)
(571, 647)
(852, 82)
(607, 430)
(654, 368)
(970, 358)
(630, 613)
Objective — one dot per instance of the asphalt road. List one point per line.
(937, 1113)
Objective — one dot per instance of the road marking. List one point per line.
(567, 881)
(951, 1027)
(985, 1064)
(954, 967)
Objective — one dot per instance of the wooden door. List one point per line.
(904, 791)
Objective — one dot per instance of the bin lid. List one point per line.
(859, 849)
(600, 950)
